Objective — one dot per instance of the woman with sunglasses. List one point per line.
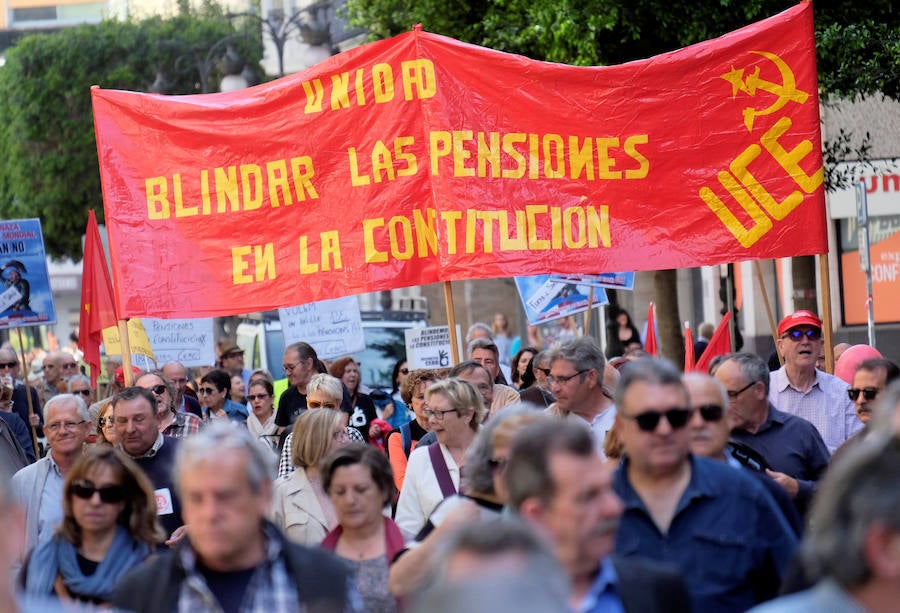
(214, 392)
(109, 526)
(106, 427)
(454, 411)
(261, 421)
(177, 424)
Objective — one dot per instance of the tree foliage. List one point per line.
(48, 155)
(858, 43)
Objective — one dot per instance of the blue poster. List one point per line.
(612, 280)
(25, 296)
(545, 299)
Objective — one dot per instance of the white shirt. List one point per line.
(421, 493)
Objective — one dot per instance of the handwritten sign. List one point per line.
(189, 341)
(332, 327)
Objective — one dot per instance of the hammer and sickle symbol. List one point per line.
(785, 92)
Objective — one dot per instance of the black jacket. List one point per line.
(321, 580)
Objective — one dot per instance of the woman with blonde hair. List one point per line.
(109, 526)
(300, 506)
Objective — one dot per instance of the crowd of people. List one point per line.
(524, 478)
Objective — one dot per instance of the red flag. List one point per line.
(719, 344)
(688, 348)
(650, 345)
(98, 306)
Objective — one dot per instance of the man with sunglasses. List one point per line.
(718, 526)
(871, 378)
(710, 431)
(792, 447)
(800, 389)
(9, 365)
(38, 488)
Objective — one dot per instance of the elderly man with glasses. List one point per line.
(800, 389)
(718, 526)
(710, 430)
(38, 488)
(795, 454)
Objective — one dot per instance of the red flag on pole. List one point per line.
(98, 306)
(719, 344)
(650, 345)
(688, 348)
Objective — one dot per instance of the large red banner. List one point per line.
(421, 159)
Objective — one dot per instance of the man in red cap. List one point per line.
(800, 389)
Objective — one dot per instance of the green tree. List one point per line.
(858, 53)
(48, 155)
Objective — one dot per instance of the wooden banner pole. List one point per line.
(126, 352)
(825, 292)
(587, 315)
(451, 323)
(765, 294)
(26, 366)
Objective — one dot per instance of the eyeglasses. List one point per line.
(70, 365)
(438, 415)
(649, 420)
(869, 393)
(314, 404)
(158, 390)
(564, 380)
(8, 364)
(498, 465)
(86, 393)
(404, 371)
(812, 334)
(109, 494)
(289, 367)
(65, 425)
(203, 391)
(253, 397)
(710, 412)
(734, 395)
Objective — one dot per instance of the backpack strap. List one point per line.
(445, 482)
(406, 433)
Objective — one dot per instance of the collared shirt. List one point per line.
(824, 597)
(154, 449)
(825, 405)
(727, 538)
(792, 446)
(51, 511)
(270, 590)
(182, 425)
(603, 597)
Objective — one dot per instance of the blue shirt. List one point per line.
(603, 596)
(791, 445)
(727, 538)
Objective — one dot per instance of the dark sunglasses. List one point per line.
(83, 392)
(868, 393)
(109, 494)
(253, 397)
(648, 420)
(797, 335)
(159, 390)
(203, 391)
(710, 412)
(8, 364)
